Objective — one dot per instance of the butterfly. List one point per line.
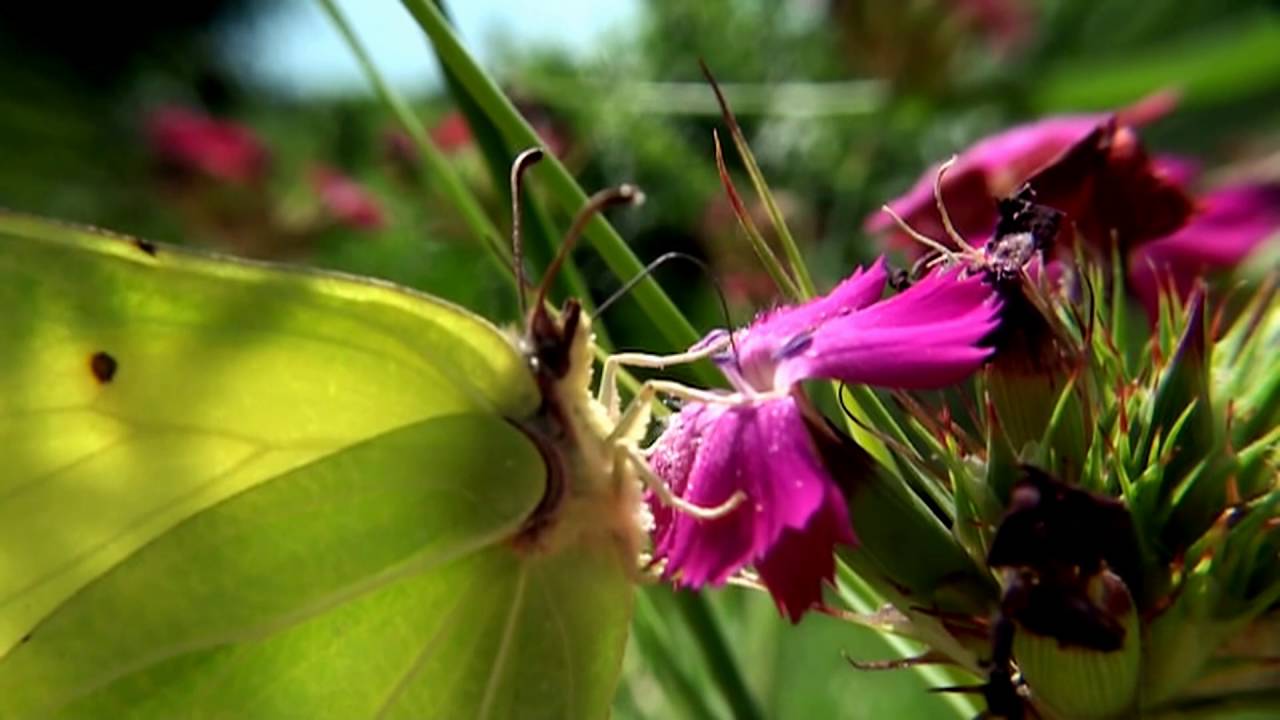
(235, 489)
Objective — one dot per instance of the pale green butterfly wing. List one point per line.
(221, 376)
(370, 584)
(225, 374)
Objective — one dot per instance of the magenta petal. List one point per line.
(1232, 222)
(710, 452)
(346, 201)
(776, 333)
(1179, 169)
(996, 166)
(672, 460)
(927, 336)
(795, 568)
(773, 329)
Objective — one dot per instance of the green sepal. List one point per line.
(1184, 384)
(899, 537)
(1232, 579)
(1032, 381)
(1079, 683)
(923, 559)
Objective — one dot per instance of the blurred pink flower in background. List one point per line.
(451, 133)
(1230, 223)
(197, 144)
(1095, 170)
(346, 201)
(996, 167)
(1005, 23)
(1112, 191)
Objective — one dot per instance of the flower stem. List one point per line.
(473, 213)
(666, 317)
(720, 662)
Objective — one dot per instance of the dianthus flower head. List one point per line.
(998, 165)
(194, 143)
(757, 442)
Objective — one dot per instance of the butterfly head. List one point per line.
(558, 345)
(554, 344)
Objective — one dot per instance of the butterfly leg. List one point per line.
(668, 498)
(608, 394)
(637, 410)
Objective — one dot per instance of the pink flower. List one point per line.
(996, 167)
(451, 133)
(195, 143)
(399, 150)
(1006, 23)
(1112, 191)
(757, 441)
(345, 200)
(1231, 223)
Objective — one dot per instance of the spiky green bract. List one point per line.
(1178, 423)
(1084, 683)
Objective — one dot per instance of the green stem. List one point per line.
(540, 235)
(763, 252)
(663, 663)
(798, 268)
(666, 317)
(717, 657)
(473, 213)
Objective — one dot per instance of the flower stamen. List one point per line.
(942, 208)
(918, 236)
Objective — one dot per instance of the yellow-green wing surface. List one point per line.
(237, 490)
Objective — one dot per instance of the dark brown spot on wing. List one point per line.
(25, 639)
(145, 246)
(103, 366)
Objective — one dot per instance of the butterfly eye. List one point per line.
(551, 342)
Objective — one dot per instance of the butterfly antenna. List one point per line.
(662, 260)
(622, 195)
(523, 162)
(918, 236)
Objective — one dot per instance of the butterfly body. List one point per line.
(593, 488)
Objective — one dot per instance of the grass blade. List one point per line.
(666, 317)
(473, 213)
(799, 270)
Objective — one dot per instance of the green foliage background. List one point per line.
(844, 102)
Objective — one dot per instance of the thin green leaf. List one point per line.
(761, 247)
(798, 268)
(664, 314)
(540, 236)
(473, 213)
(1219, 65)
(719, 661)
